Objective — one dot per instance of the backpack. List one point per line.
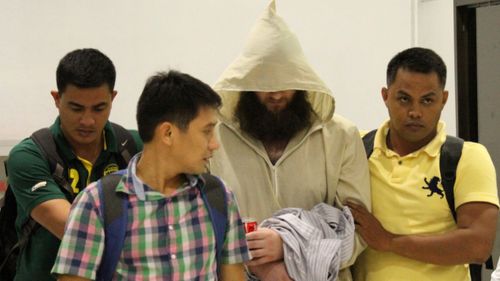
(10, 244)
(450, 154)
(114, 209)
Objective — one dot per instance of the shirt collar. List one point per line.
(432, 149)
(136, 186)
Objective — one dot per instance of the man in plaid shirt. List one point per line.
(169, 232)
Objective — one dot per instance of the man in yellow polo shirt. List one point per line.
(411, 232)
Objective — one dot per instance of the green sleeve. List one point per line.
(30, 178)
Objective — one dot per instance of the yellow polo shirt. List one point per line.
(404, 202)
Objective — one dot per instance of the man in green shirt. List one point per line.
(85, 141)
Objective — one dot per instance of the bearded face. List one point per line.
(265, 124)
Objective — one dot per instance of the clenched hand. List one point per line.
(265, 246)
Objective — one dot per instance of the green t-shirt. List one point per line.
(32, 184)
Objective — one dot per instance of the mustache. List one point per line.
(414, 123)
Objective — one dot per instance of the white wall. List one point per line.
(348, 43)
(435, 30)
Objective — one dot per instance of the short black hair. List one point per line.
(419, 60)
(85, 68)
(174, 97)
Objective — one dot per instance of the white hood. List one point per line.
(272, 60)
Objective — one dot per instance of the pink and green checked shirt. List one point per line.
(167, 238)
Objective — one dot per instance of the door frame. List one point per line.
(466, 66)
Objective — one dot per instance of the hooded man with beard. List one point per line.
(281, 145)
(273, 118)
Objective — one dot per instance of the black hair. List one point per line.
(174, 97)
(419, 60)
(85, 68)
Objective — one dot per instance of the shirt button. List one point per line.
(400, 162)
(173, 257)
(170, 227)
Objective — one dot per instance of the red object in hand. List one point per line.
(250, 225)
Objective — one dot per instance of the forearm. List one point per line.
(271, 271)
(460, 246)
(471, 242)
(52, 215)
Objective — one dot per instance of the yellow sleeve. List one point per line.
(476, 176)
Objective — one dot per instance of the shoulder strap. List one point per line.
(125, 143)
(451, 151)
(44, 139)
(368, 141)
(114, 209)
(215, 198)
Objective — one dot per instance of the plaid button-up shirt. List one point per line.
(167, 238)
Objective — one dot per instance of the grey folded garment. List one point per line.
(315, 242)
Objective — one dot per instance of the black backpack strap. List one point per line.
(451, 151)
(215, 198)
(368, 141)
(114, 210)
(125, 143)
(215, 193)
(44, 139)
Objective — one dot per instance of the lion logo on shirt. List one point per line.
(432, 186)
